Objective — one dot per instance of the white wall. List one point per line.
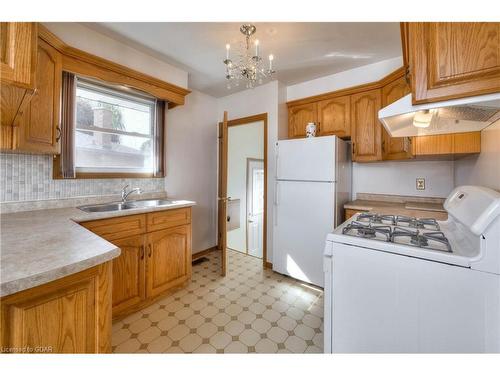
(81, 37)
(342, 80)
(398, 178)
(262, 99)
(482, 169)
(191, 137)
(191, 157)
(246, 141)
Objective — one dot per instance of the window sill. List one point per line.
(57, 175)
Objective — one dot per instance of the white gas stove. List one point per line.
(404, 284)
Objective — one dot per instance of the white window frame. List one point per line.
(123, 93)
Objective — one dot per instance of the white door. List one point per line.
(306, 159)
(304, 217)
(255, 207)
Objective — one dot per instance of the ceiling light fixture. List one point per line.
(249, 66)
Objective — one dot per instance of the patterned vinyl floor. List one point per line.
(251, 310)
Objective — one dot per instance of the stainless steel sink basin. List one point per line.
(107, 207)
(151, 203)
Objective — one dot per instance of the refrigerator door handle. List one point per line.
(277, 162)
(276, 187)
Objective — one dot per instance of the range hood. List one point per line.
(403, 119)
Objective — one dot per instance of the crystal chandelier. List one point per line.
(248, 65)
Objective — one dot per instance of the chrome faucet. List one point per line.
(125, 194)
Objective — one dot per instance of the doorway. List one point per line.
(243, 182)
(255, 207)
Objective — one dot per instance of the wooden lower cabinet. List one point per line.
(350, 213)
(155, 255)
(168, 259)
(69, 315)
(129, 287)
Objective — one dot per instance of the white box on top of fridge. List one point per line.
(313, 183)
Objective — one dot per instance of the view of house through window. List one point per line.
(114, 130)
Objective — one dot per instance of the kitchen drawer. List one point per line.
(168, 219)
(118, 227)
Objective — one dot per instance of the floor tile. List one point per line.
(251, 310)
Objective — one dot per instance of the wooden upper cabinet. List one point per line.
(168, 259)
(18, 53)
(453, 59)
(129, 286)
(334, 116)
(298, 118)
(395, 148)
(39, 128)
(448, 144)
(365, 126)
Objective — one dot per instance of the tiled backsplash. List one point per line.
(29, 177)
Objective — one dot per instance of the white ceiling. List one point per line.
(302, 51)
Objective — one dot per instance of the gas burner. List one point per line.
(419, 223)
(430, 240)
(358, 229)
(374, 218)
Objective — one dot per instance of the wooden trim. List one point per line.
(57, 174)
(398, 73)
(84, 63)
(205, 252)
(268, 265)
(244, 121)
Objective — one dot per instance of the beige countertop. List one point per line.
(396, 205)
(44, 245)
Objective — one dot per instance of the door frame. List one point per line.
(249, 160)
(223, 163)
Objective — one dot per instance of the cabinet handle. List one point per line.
(142, 252)
(383, 146)
(149, 251)
(58, 137)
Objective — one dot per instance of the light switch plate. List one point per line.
(420, 183)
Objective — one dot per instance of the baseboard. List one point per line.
(202, 253)
(268, 265)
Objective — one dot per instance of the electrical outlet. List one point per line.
(420, 183)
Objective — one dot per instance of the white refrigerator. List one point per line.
(313, 181)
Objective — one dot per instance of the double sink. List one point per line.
(120, 206)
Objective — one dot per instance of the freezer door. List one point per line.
(306, 159)
(304, 217)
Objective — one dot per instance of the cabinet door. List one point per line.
(129, 273)
(395, 148)
(69, 315)
(365, 127)
(454, 59)
(298, 118)
(18, 53)
(168, 261)
(334, 116)
(448, 144)
(39, 129)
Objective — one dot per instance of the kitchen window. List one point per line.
(110, 131)
(114, 130)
